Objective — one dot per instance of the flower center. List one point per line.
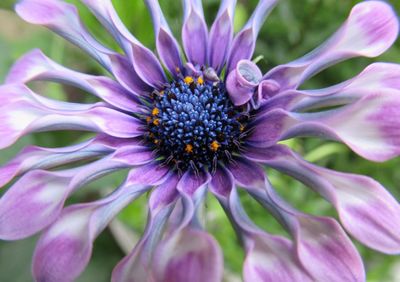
(193, 123)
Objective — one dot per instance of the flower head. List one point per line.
(206, 121)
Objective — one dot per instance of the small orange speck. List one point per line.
(215, 146)
(156, 122)
(156, 141)
(200, 80)
(148, 119)
(242, 128)
(178, 70)
(189, 148)
(188, 80)
(161, 92)
(155, 111)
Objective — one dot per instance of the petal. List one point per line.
(70, 238)
(221, 35)
(127, 76)
(242, 82)
(136, 267)
(268, 257)
(178, 259)
(33, 157)
(104, 12)
(194, 33)
(44, 193)
(377, 114)
(247, 173)
(192, 181)
(358, 36)
(271, 258)
(222, 182)
(63, 19)
(367, 211)
(244, 43)
(151, 173)
(37, 193)
(164, 194)
(167, 46)
(28, 112)
(321, 244)
(327, 252)
(145, 63)
(374, 77)
(36, 66)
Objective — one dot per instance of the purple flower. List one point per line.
(209, 121)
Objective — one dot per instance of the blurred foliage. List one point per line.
(294, 28)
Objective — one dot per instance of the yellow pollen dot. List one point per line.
(162, 92)
(156, 141)
(156, 121)
(177, 69)
(189, 148)
(155, 111)
(200, 80)
(148, 119)
(188, 80)
(215, 146)
(241, 127)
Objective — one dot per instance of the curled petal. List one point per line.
(358, 36)
(221, 35)
(194, 32)
(71, 237)
(366, 209)
(28, 112)
(167, 46)
(242, 82)
(244, 43)
(36, 66)
(63, 19)
(178, 259)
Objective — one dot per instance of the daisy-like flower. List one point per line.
(186, 125)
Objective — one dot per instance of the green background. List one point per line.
(294, 28)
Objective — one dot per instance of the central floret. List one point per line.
(193, 123)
